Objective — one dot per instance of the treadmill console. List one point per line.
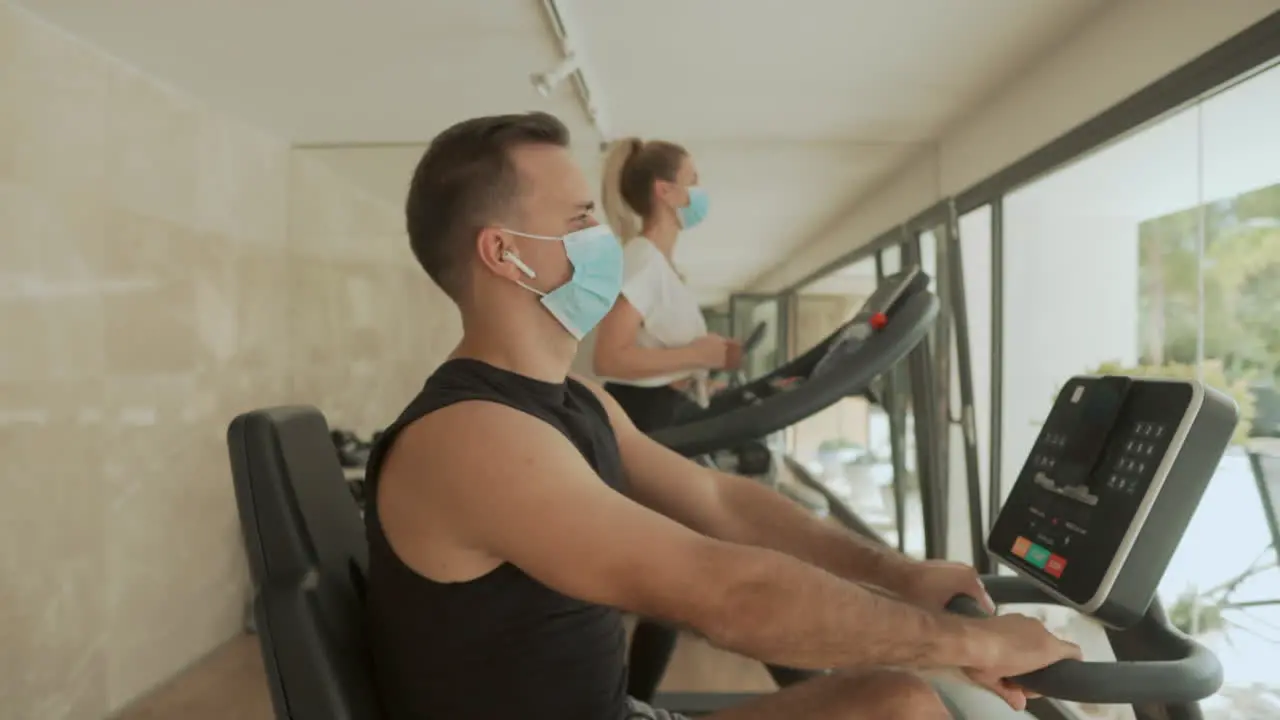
(1109, 489)
(875, 313)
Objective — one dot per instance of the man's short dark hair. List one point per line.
(465, 181)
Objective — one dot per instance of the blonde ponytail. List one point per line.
(617, 212)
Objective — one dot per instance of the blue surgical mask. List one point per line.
(581, 303)
(696, 211)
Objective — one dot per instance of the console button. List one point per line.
(1021, 546)
(1055, 565)
(1037, 556)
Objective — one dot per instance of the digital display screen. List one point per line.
(1095, 407)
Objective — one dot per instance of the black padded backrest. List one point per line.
(1266, 470)
(307, 558)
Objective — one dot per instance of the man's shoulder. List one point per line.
(455, 425)
(461, 444)
(614, 417)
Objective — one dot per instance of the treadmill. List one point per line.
(756, 460)
(892, 321)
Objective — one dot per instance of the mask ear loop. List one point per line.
(528, 271)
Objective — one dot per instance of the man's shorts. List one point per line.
(637, 710)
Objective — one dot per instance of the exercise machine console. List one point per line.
(1109, 489)
(892, 321)
(1095, 516)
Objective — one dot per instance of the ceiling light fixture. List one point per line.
(546, 82)
(574, 69)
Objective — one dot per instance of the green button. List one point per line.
(1037, 556)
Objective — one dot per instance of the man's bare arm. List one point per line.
(757, 515)
(739, 510)
(518, 490)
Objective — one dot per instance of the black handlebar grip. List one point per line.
(1193, 672)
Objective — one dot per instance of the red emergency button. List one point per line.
(878, 321)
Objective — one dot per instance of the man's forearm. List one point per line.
(764, 518)
(791, 613)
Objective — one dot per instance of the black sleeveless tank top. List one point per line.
(502, 646)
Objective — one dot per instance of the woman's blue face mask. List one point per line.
(696, 211)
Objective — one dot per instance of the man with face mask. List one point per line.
(516, 512)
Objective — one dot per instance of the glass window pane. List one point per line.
(1227, 558)
(717, 321)
(891, 259)
(975, 249)
(747, 312)
(1072, 289)
(847, 446)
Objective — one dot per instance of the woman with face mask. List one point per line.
(653, 349)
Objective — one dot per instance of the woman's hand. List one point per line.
(716, 352)
(734, 358)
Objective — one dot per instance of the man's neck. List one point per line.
(536, 348)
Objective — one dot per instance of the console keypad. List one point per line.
(1141, 450)
(1045, 455)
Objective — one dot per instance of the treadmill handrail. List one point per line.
(804, 364)
(1191, 673)
(888, 346)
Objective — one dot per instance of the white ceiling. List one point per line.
(793, 110)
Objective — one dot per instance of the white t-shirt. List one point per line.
(672, 317)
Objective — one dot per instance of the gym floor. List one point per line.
(230, 683)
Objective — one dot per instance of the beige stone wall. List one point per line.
(162, 268)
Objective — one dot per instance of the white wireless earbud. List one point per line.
(515, 260)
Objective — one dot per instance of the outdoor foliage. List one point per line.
(1241, 277)
(1190, 614)
(1229, 299)
(1213, 377)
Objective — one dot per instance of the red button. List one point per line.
(1055, 565)
(878, 321)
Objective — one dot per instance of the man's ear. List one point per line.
(496, 251)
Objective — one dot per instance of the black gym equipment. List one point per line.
(352, 451)
(353, 455)
(1095, 517)
(304, 537)
(897, 316)
(738, 377)
(751, 458)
